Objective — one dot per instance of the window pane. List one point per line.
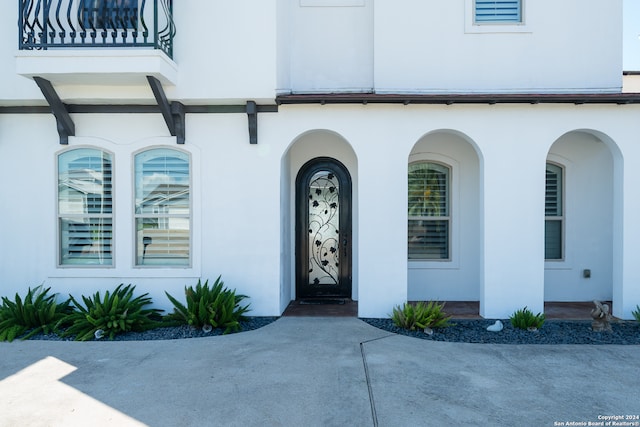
(498, 11)
(428, 239)
(428, 190)
(553, 239)
(84, 182)
(162, 241)
(162, 182)
(162, 208)
(85, 241)
(85, 207)
(553, 191)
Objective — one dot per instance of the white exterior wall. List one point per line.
(243, 195)
(228, 52)
(330, 48)
(410, 55)
(238, 192)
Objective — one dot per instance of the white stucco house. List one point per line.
(379, 150)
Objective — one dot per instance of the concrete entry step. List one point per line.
(324, 307)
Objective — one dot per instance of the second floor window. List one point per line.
(429, 211)
(498, 11)
(109, 14)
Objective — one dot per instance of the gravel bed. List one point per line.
(552, 332)
(462, 330)
(171, 332)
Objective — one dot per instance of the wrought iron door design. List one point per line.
(323, 231)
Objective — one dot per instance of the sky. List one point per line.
(631, 36)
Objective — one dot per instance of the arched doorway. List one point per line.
(323, 230)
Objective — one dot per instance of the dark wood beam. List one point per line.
(173, 113)
(163, 103)
(178, 114)
(252, 115)
(65, 125)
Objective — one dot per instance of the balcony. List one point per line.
(87, 41)
(46, 24)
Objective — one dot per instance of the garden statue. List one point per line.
(601, 317)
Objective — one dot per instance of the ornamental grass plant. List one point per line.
(116, 313)
(37, 312)
(420, 315)
(210, 307)
(525, 319)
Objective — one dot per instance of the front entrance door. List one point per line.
(323, 230)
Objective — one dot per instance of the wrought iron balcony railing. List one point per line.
(46, 24)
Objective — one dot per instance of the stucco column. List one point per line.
(512, 272)
(382, 241)
(626, 230)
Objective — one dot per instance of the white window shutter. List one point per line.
(498, 11)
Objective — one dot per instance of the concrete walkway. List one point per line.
(313, 372)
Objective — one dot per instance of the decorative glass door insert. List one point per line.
(324, 229)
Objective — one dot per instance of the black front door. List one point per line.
(323, 229)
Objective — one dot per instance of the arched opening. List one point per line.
(582, 206)
(331, 147)
(444, 217)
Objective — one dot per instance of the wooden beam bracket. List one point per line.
(64, 123)
(173, 113)
(252, 115)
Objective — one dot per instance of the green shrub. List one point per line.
(636, 313)
(39, 312)
(116, 313)
(525, 319)
(420, 315)
(217, 307)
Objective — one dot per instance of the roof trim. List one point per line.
(448, 99)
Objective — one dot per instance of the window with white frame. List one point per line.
(162, 208)
(554, 213)
(429, 211)
(85, 208)
(498, 11)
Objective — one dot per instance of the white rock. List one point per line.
(496, 327)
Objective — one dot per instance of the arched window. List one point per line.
(85, 208)
(554, 213)
(429, 211)
(162, 208)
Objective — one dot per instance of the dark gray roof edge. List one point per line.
(448, 99)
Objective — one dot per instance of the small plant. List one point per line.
(215, 307)
(39, 312)
(636, 313)
(420, 315)
(525, 319)
(116, 313)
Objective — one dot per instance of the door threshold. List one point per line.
(321, 301)
(347, 308)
